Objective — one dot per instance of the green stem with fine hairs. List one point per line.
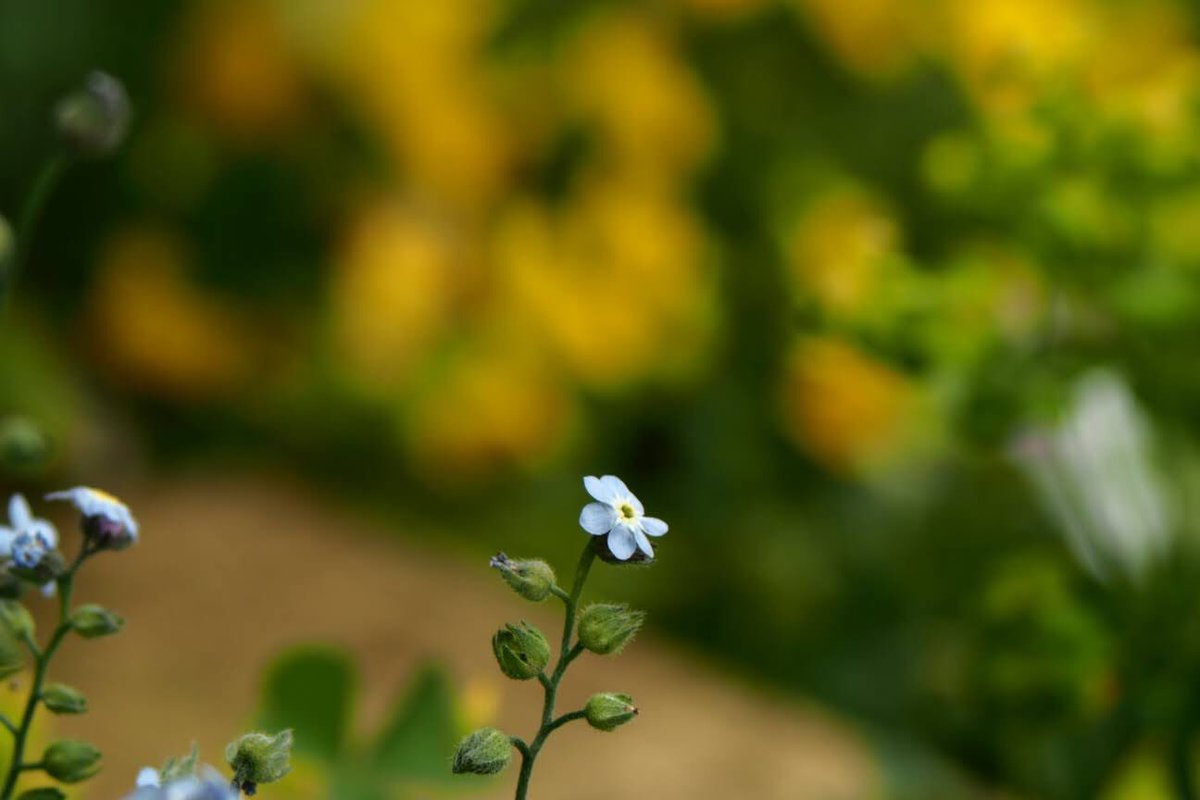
(567, 654)
(42, 658)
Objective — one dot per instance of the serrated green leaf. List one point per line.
(311, 690)
(418, 740)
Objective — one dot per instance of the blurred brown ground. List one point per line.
(231, 570)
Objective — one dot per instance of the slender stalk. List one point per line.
(42, 658)
(567, 654)
(31, 212)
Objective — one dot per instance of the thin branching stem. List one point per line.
(31, 212)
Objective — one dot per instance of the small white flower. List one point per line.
(620, 515)
(108, 517)
(21, 521)
(28, 549)
(209, 785)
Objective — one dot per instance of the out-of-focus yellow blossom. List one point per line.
(392, 293)
(239, 70)
(1007, 51)
(627, 76)
(478, 703)
(874, 37)
(849, 411)
(1144, 774)
(415, 71)
(839, 250)
(492, 406)
(157, 330)
(615, 284)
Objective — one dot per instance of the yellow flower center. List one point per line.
(626, 510)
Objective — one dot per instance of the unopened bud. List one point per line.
(606, 629)
(17, 618)
(93, 121)
(608, 711)
(259, 758)
(484, 752)
(71, 761)
(521, 651)
(92, 621)
(63, 699)
(531, 579)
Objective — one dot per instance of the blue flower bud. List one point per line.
(531, 579)
(92, 621)
(92, 122)
(608, 711)
(259, 758)
(484, 752)
(606, 629)
(71, 761)
(521, 651)
(62, 699)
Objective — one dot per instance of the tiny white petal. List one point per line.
(653, 526)
(597, 518)
(642, 542)
(595, 488)
(147, 776)
(42, 528)
(621, 542)
(637, 504)
(6, 539)
(19, 514)
(614, 489)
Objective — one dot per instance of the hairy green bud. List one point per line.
(62, 699)
(42, 793)
(608, 711)
(521, 651)
(93, 120)
(17, 618)
(531, 579)
(606, 629)
(259, 758)
(92, 621)
(484, 752)
(71, 761)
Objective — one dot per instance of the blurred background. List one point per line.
(889, 308)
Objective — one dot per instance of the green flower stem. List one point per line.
(567, 654)
(7, 723)
(31, 212)
(42, 658)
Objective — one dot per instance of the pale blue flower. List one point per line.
(105, 516)
(208, 785)
(619, 515)
(21, 522)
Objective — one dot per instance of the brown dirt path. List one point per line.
(229, 571)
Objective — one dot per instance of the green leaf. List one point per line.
(42, 793)
(418, 741)
(311, 690)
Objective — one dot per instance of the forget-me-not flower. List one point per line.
(619, 515)
(209, 785)
(105, 518)
(23, 526)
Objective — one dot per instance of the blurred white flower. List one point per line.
(1095, 474)
(105, 517)
(22, 522)
(620, 515)
(209, 785)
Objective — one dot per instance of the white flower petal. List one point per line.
(19, 514)
(40, 527)
(598, 489)
(637, 504)
(614, 487)
(653, 526)
(597, 518)
(148, 776)
(621, 542)
(642, 542)
(6, 539)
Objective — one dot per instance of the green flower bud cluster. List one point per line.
(483, 752)
(606, 629)
(521, 651)
(259, 758)
(71, 761)
(608, 711)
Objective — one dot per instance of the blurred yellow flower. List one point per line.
(152, 327)
(478, 703)
(849, 411)
(392, 292)
(239, 71)
(839, 250)
(1174, 234)
(874, 37)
